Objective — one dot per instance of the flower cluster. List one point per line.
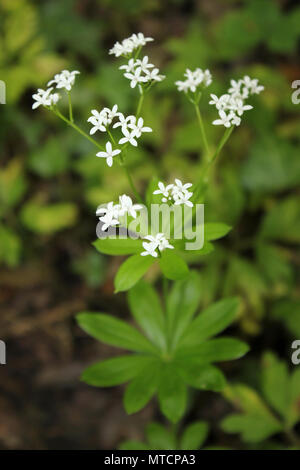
(140, 71)
(64, 79)
(128, 45)
(195, 80)
(231, 105)
(154, 243)
(44, 98)
(111, 214)
(176, 193)
(131, 127)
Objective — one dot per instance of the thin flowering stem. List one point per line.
(202, 130)
(139, 106)
(134, 190)
(70, 107)
(78, 129)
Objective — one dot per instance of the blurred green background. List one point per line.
(51, 183)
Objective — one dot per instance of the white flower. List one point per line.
(141, 71)
(109, 154)
(102, 119)
(128, 45)
(138, 127)
(158, 241)
(144, 63)
(64, 79)
(239, 107)
(109, 215)
(164, 190)
(154, 75)
(128, 137)
(196, 79)
(140, 40)
(177, 193)
(127, 206)
(150, 249)
(225, 119)
(234, 101)
(124, 121)
(44, 98)
(135, 77)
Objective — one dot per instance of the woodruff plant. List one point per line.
(174, 347)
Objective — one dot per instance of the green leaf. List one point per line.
(194, 436)
(113, 331)
(275, 383)
(115, 371)
(10, 246)
(210, 322)
(140, 391)
(214, 231)
(253, 428)
(160, 438)
(146, 308)
(50, 218)
(282, 222)
(202, 377)
(173, 266)
(256, 422)
(273, 165)
(118, 246)
(133, 445)
(131, 271)
(172, 394)
(215, 350)
(182, 302)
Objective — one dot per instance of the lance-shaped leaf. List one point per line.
(215, 230)
(146, 308)
(202, 377)
(194, 436)
(131, 271)
(172, 393)
(210, 322)
(215, 350)
(118, 246)
(142, 388)
(115, 371)
(182, 302)
(173, 266)
(113, 331)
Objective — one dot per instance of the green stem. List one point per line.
(140, 104)
(80, 131)
(134, 190)
(202, 130)
(70, 107)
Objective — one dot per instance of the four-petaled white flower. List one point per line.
(140, 71)
(64, 79)
(195, 80)
(127, 206)
(138, 127)
(225, 119)
(159, 241)
(109, 215)
(135, 77)
(128, 45)
(232, 105)
(176, 193)
(44, 98)
(128, 137)
(108, 154)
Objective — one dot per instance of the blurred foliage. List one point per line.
(51, 182)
